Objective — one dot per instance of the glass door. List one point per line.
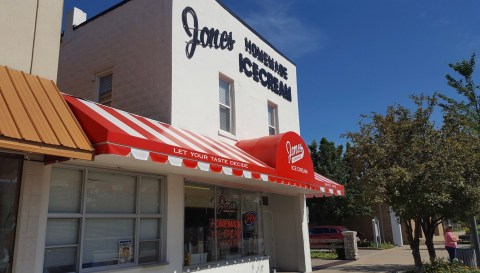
(10, 176)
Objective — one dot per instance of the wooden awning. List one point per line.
(35, 118)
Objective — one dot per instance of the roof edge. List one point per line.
(254, 31)
(123, 2)
(46, 149)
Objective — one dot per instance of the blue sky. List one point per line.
(356, 57)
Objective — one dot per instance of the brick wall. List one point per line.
(132, 41)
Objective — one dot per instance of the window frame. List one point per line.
(274, 126)
(11, 248)
(231, 107)
(98, 78)
(82, 216)
(242, 192)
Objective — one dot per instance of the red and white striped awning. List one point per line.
(113, 131)
(331, 187)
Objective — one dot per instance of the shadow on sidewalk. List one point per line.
(327, 265)
(392, 268)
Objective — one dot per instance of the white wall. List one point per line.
(133, 41)
(290, 233)
(143, 43)
(32, 218)
(30, 32)
(195, 81)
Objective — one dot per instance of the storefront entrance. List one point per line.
(10, 177)
(221, 225)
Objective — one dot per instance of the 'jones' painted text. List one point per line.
(207, 37)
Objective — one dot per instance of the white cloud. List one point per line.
(275, 21)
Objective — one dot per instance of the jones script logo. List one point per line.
(207, 37)
(295, 153)
(225, 206)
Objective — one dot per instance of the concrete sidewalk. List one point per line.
(398, 259)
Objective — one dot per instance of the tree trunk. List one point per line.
(413, 236)
(428, 227)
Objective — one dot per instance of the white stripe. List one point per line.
(177, 136)
(113, 119)
(148, 128)
(204, 166)
(227, 170)
(175, 161)
(330, 190)
(214, 147)
(195, 137)
(247, 174)
(322, 189)
(264, 177)
(339, 192)
(140, 154)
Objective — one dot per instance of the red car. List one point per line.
(323, 236)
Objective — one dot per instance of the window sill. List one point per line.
(210, 265)
(154, 264)
(126, 268)
(227, 135)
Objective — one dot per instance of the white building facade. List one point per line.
(198, 166)
(144, 46)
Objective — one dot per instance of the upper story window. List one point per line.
(226, 105)
(105, 89)
(272, 119)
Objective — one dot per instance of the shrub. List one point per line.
(382, 245)
(443, 266)
(323, 255)
(364, 243)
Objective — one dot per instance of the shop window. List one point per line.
(226, 105)
(221, 224)
(105, 89)
(228, 225)
(10, 177)
(272, 119)
(102, 220)
(199, 235)
(252, 243)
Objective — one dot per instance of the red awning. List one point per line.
(117, 132)
(288, 154)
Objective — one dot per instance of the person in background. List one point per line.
(450, 242)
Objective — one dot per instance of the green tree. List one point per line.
(331, 161)
(462, 118)
(403, 161)
(465, 111)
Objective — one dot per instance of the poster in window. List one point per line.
(125, 251)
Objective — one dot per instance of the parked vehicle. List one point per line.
(326, 236)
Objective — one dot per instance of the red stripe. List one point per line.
(192, 164)
(256, 176)
(236, 151)
(237, 172)
(112, 149)
(158, 158)
(194, 141)
(215, 168)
